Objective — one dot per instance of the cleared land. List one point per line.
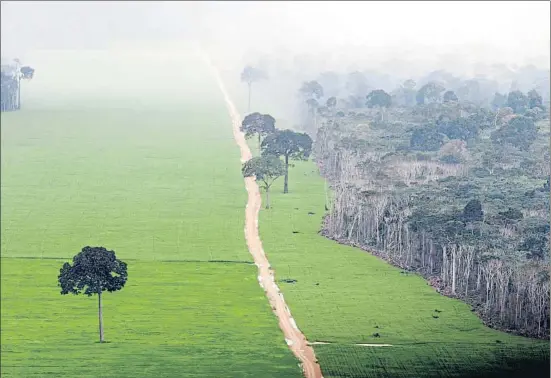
(171, 320)
(162, 187)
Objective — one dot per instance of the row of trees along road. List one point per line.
(274, 144)
(10, 84)
(454, 191)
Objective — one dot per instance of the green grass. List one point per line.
(171, 320)
(150, 185)
(342, 294)
(156, 184)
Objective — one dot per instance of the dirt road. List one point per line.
(294, 338)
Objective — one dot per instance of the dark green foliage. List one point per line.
(426, 139)
(27, 72)
(311, 89)
(499, 101)
(512, 214)
(517, 101)
(460, 128)
(266, 169)
(520, 131)
(379, 98)
(534, 99)
(473, 211)
(450, 96)
(429, 92)
(289, 145)
(94, 269)
(481, 119)
(296, 146)
(258, 124)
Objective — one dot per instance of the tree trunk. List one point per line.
(454, 270)
(267, 197)
(286, 179)
(100, 314)
(249, 105)
(259, 141)
(18, 91)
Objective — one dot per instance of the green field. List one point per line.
(172, 319)
(153, 185)
(161, 185)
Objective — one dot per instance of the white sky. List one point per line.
(508, 29)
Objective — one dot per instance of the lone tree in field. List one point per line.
(266, 169)
(249, 76)
(290, 145)
(94, 270)
(258, 124)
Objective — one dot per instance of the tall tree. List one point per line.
(266, 169)
(430, 91)
(450, 96)
(94, 270)
(499, 101)
(331, 103)
(380, 99)
(311, 90)
(258, 124)
(517, 101)
(534, 99)
(290, 145)
(249, 76)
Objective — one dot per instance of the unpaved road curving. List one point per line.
(294, 338)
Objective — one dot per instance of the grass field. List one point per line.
(161, 185)
(153, 185)
(171, 320)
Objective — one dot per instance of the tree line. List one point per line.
(274, 144)
(10, 84)
(459, 194)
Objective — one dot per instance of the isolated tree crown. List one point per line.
(251, 74)
(256, 123)
(265, 168)
(287, 143)
(94, 269)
